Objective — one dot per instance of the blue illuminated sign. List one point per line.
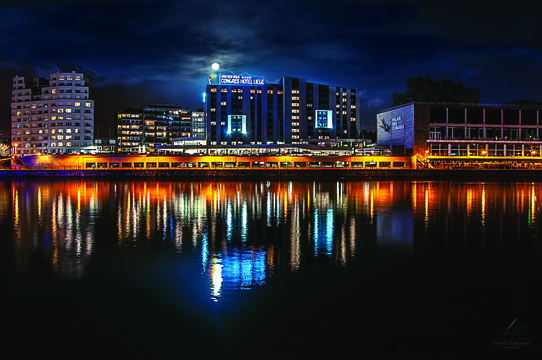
(243, 80)
(324, 119)
(237, 124)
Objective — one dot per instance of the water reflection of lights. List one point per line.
(220, 219)
(54, 218)
(235, 269)
(323, 231)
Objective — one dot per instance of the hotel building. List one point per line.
(54, 116)
(463, 130)
(244, 110)
(143, 129)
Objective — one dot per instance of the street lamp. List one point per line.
(15, 148)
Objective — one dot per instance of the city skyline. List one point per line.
(142, 52)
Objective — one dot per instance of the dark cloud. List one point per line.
(138, 52)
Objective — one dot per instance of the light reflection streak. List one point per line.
(533, 204)
(483, 210)
(426, 206)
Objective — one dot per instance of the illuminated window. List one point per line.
(87, 104)
(77, 104)
(53, 91)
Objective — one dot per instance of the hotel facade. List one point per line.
(52, 116)
(463, 130)
(244, 110)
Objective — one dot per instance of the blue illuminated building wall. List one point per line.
(283, 113)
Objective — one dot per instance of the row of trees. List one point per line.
(4, 150)
(429, 90)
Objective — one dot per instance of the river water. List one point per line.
(271, 269)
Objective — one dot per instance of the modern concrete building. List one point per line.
(463, 130)
(54, 115)
(130, 130)
(242, 109)
(143, 129)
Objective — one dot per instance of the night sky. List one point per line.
(142, 52)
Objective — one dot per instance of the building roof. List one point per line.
(516, 103)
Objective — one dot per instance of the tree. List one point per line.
(429, 90)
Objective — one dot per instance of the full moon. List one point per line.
(215, 66)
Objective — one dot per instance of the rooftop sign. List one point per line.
(243, 80)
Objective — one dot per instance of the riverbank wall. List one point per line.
(511, 175)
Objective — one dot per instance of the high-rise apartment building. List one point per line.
(143, 129)
(54, 116)
(244, 110)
